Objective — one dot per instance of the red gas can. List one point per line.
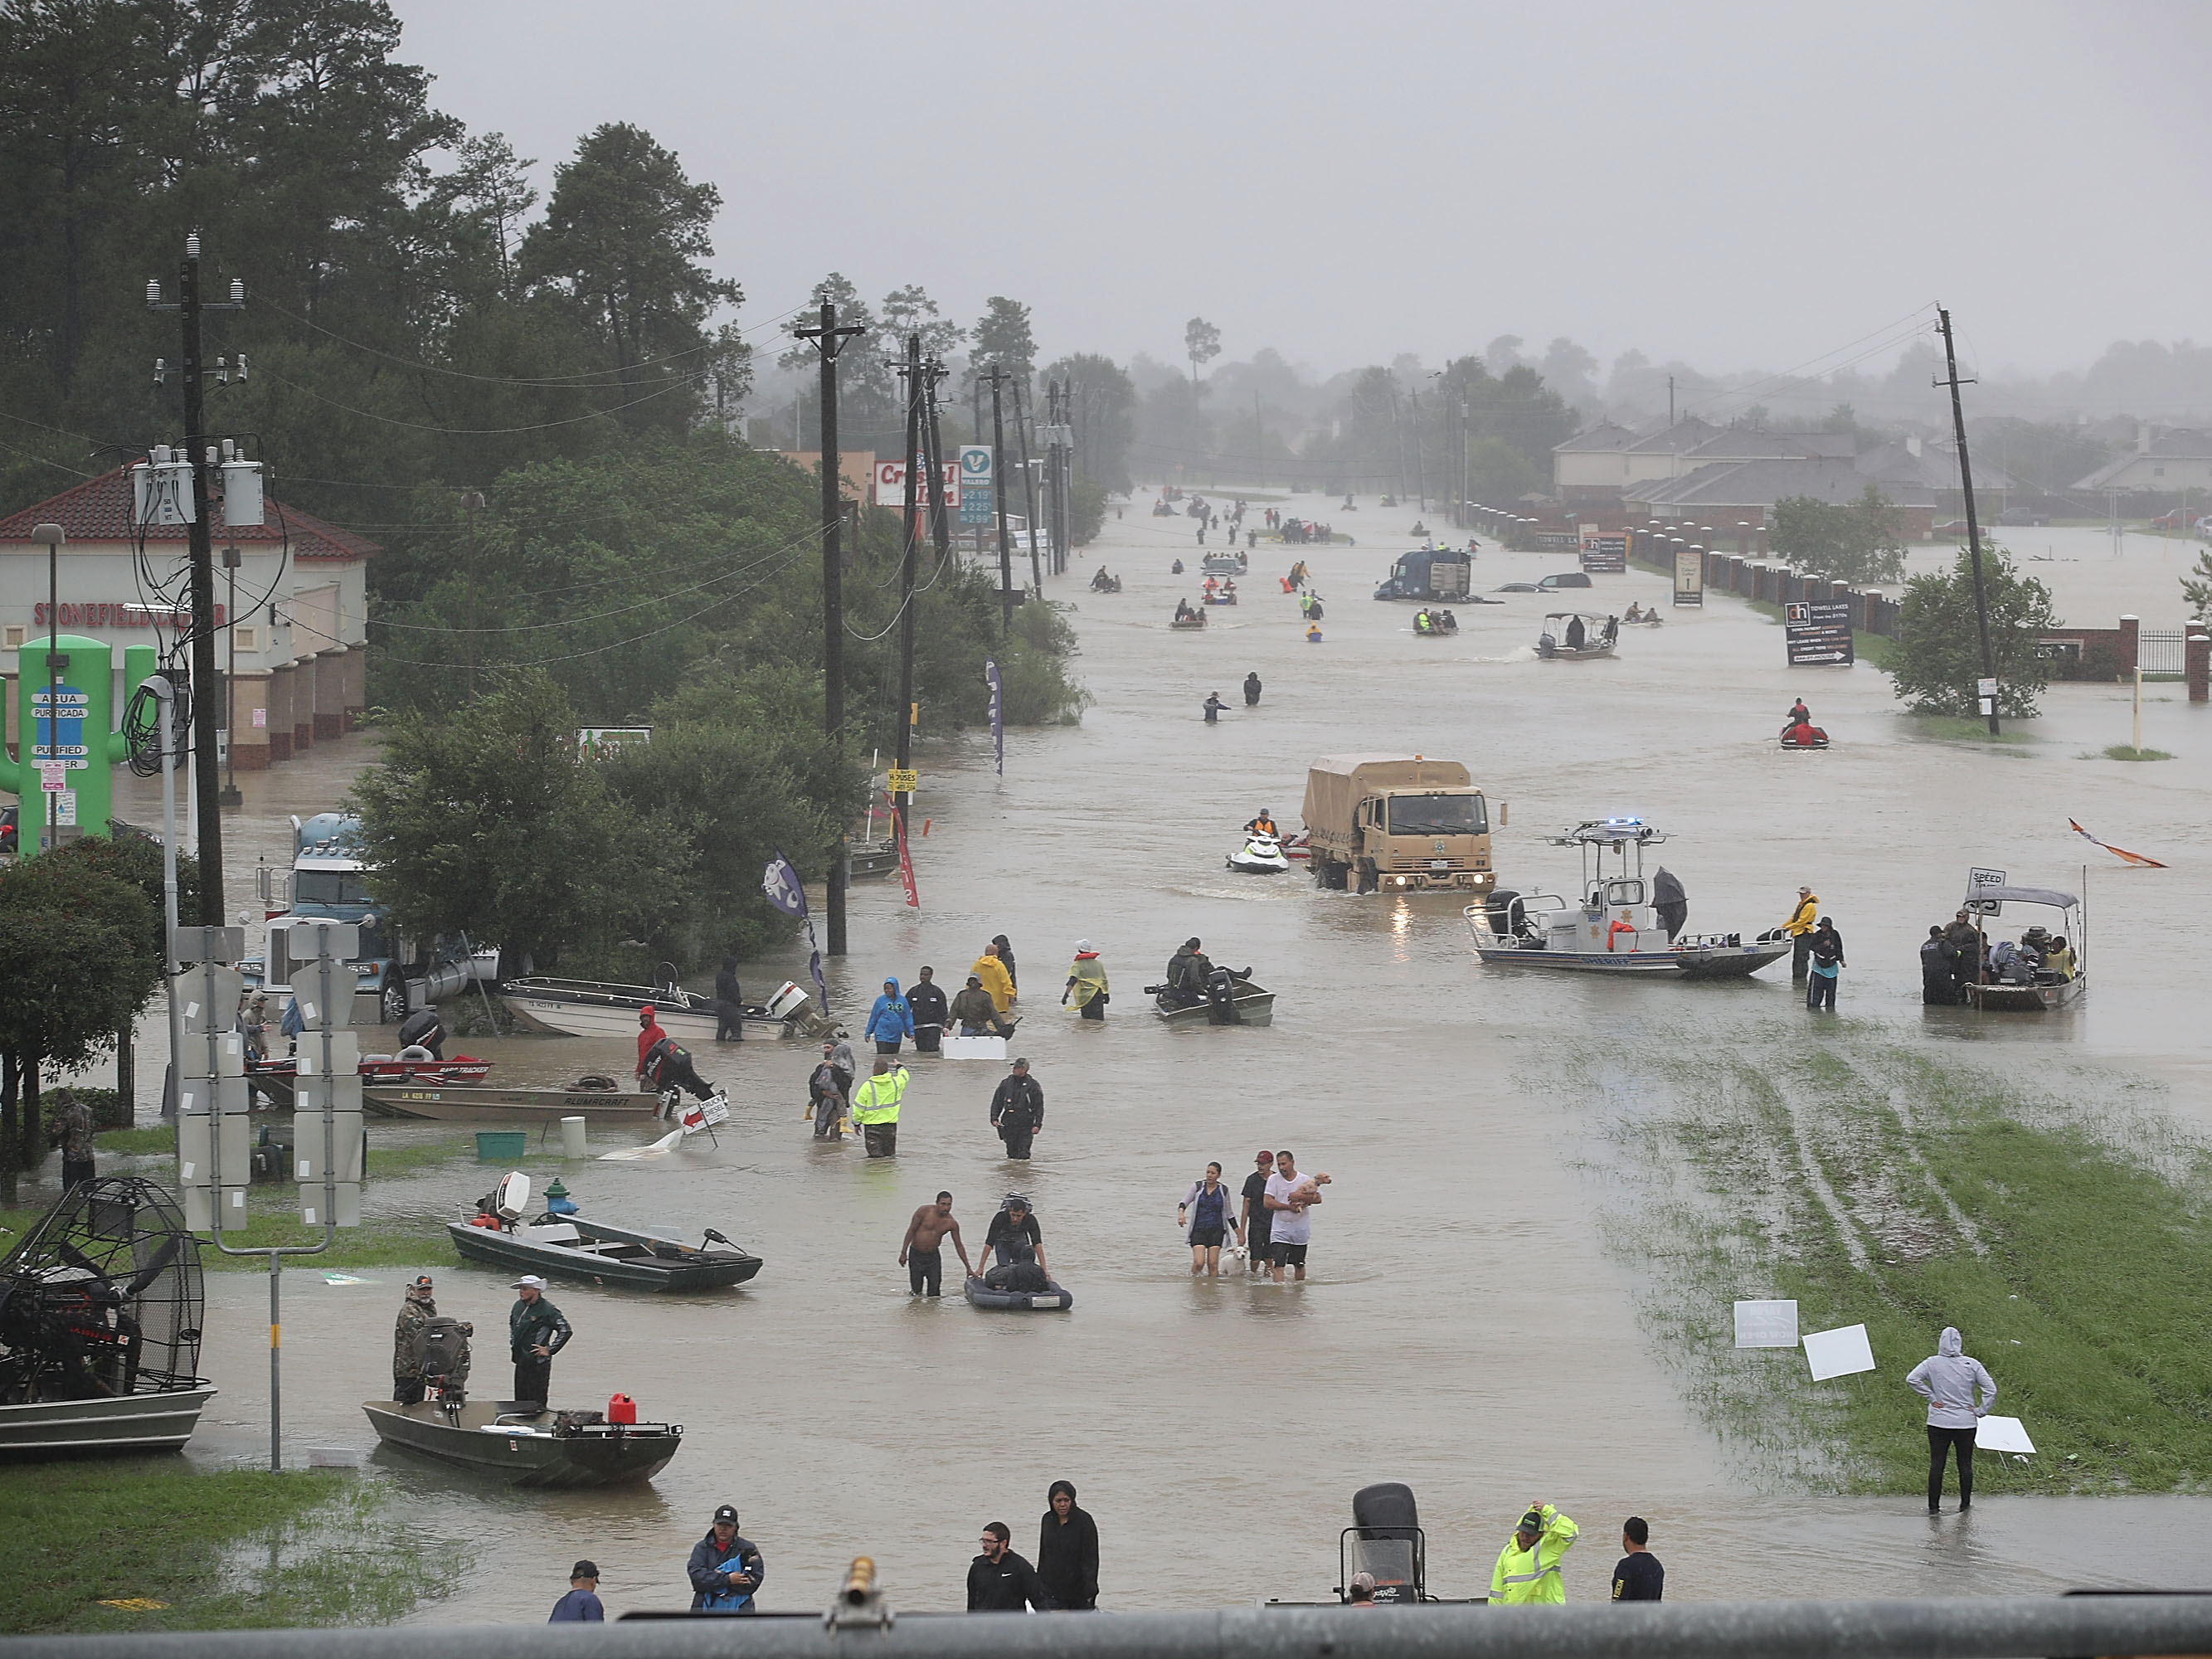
(621, 1409)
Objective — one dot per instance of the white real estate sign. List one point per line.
(1839, 1353)
(1766, 1324)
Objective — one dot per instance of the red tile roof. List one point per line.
(99, 510)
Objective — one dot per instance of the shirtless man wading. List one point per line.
(918, 1253)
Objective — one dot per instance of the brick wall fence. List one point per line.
(2077, 653)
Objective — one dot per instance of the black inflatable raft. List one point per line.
(1052, 1296)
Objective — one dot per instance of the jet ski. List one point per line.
(1804, 735)
(1260, 855)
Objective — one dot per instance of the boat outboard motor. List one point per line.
(424, 1029)
(1385, 1538)
(442, 1347)
(1221, 998)
(1502, 911)
(1669, 901)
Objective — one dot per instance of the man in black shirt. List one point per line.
(999, 1581)
(729, 1004)
(1259, 1222)
(1017, 1109)
(1639, 1577)
(1015, 1237)
(926, 998)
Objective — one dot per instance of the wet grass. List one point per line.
(1874, 1187)
(2121, 752)
(190, 1549)
(137, 1142)
(1965, 728)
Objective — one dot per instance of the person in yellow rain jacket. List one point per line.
(875, 1108)
(1802, 921)
(1528, 1568)
(993, 972)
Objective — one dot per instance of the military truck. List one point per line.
(1397, 824)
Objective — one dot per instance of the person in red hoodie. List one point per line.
(649, 1033)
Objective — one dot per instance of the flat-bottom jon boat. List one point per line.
(463, 1105)
(528, 1444)
(1250, 1004)
(583, 1007)
(575, 1247)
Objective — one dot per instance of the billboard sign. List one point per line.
(1602, 552)
(1818, 632)
(891, 484)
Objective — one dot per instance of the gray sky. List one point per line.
(1736, 185)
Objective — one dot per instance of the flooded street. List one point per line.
(1464, 1330)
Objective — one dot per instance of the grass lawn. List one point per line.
(201, 1549)
(2122, 752)
(2074, 1252)
(1969, 728)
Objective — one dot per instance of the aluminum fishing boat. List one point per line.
(575, 1247)
(526, 1444)
(580, 1007)
(2019, 978)
(1554, 644)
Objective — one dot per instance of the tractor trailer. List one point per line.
(1396, 822)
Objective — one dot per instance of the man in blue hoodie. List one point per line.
(889, 1020)
(1960, 1394)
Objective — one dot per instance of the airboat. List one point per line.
(1620, 923)
(100, 1326)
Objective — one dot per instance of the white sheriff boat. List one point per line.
(1620, 922)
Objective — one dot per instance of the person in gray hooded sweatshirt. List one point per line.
(1960, 1394)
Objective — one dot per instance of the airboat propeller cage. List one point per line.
(512, 1196)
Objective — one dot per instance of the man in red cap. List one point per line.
(649, 1033)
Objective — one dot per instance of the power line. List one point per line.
(680, 384)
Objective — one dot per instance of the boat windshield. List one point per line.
(1438, 815)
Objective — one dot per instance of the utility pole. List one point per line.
(1420, 453)
(1670, 402)
(903, 799)
(1973, 525)
(829, 340)
(207, 803)
(469, 502)
(940, 510)
(230, 795)
(1028, 489)
(997, 377)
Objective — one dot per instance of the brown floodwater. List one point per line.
(1464, 1330)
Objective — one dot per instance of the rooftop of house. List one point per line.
(1724, 486)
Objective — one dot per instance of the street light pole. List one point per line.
(230, 797)
(53, 537)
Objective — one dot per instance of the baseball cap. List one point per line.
(1265, 1157)
(532, 1280)
(1019, 1063)
(1532, 1521)
(728, 1512)
(975, 979)
(585, 1570)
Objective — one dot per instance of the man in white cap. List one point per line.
(536, 1331)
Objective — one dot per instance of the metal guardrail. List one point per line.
(1997, 1629)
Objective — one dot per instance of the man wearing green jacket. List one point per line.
(536, 1331)
(1528, 1568)
(875, 1109)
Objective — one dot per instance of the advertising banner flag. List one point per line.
(780, 883)
(906, 861)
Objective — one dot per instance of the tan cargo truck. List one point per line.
(1397, 823)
